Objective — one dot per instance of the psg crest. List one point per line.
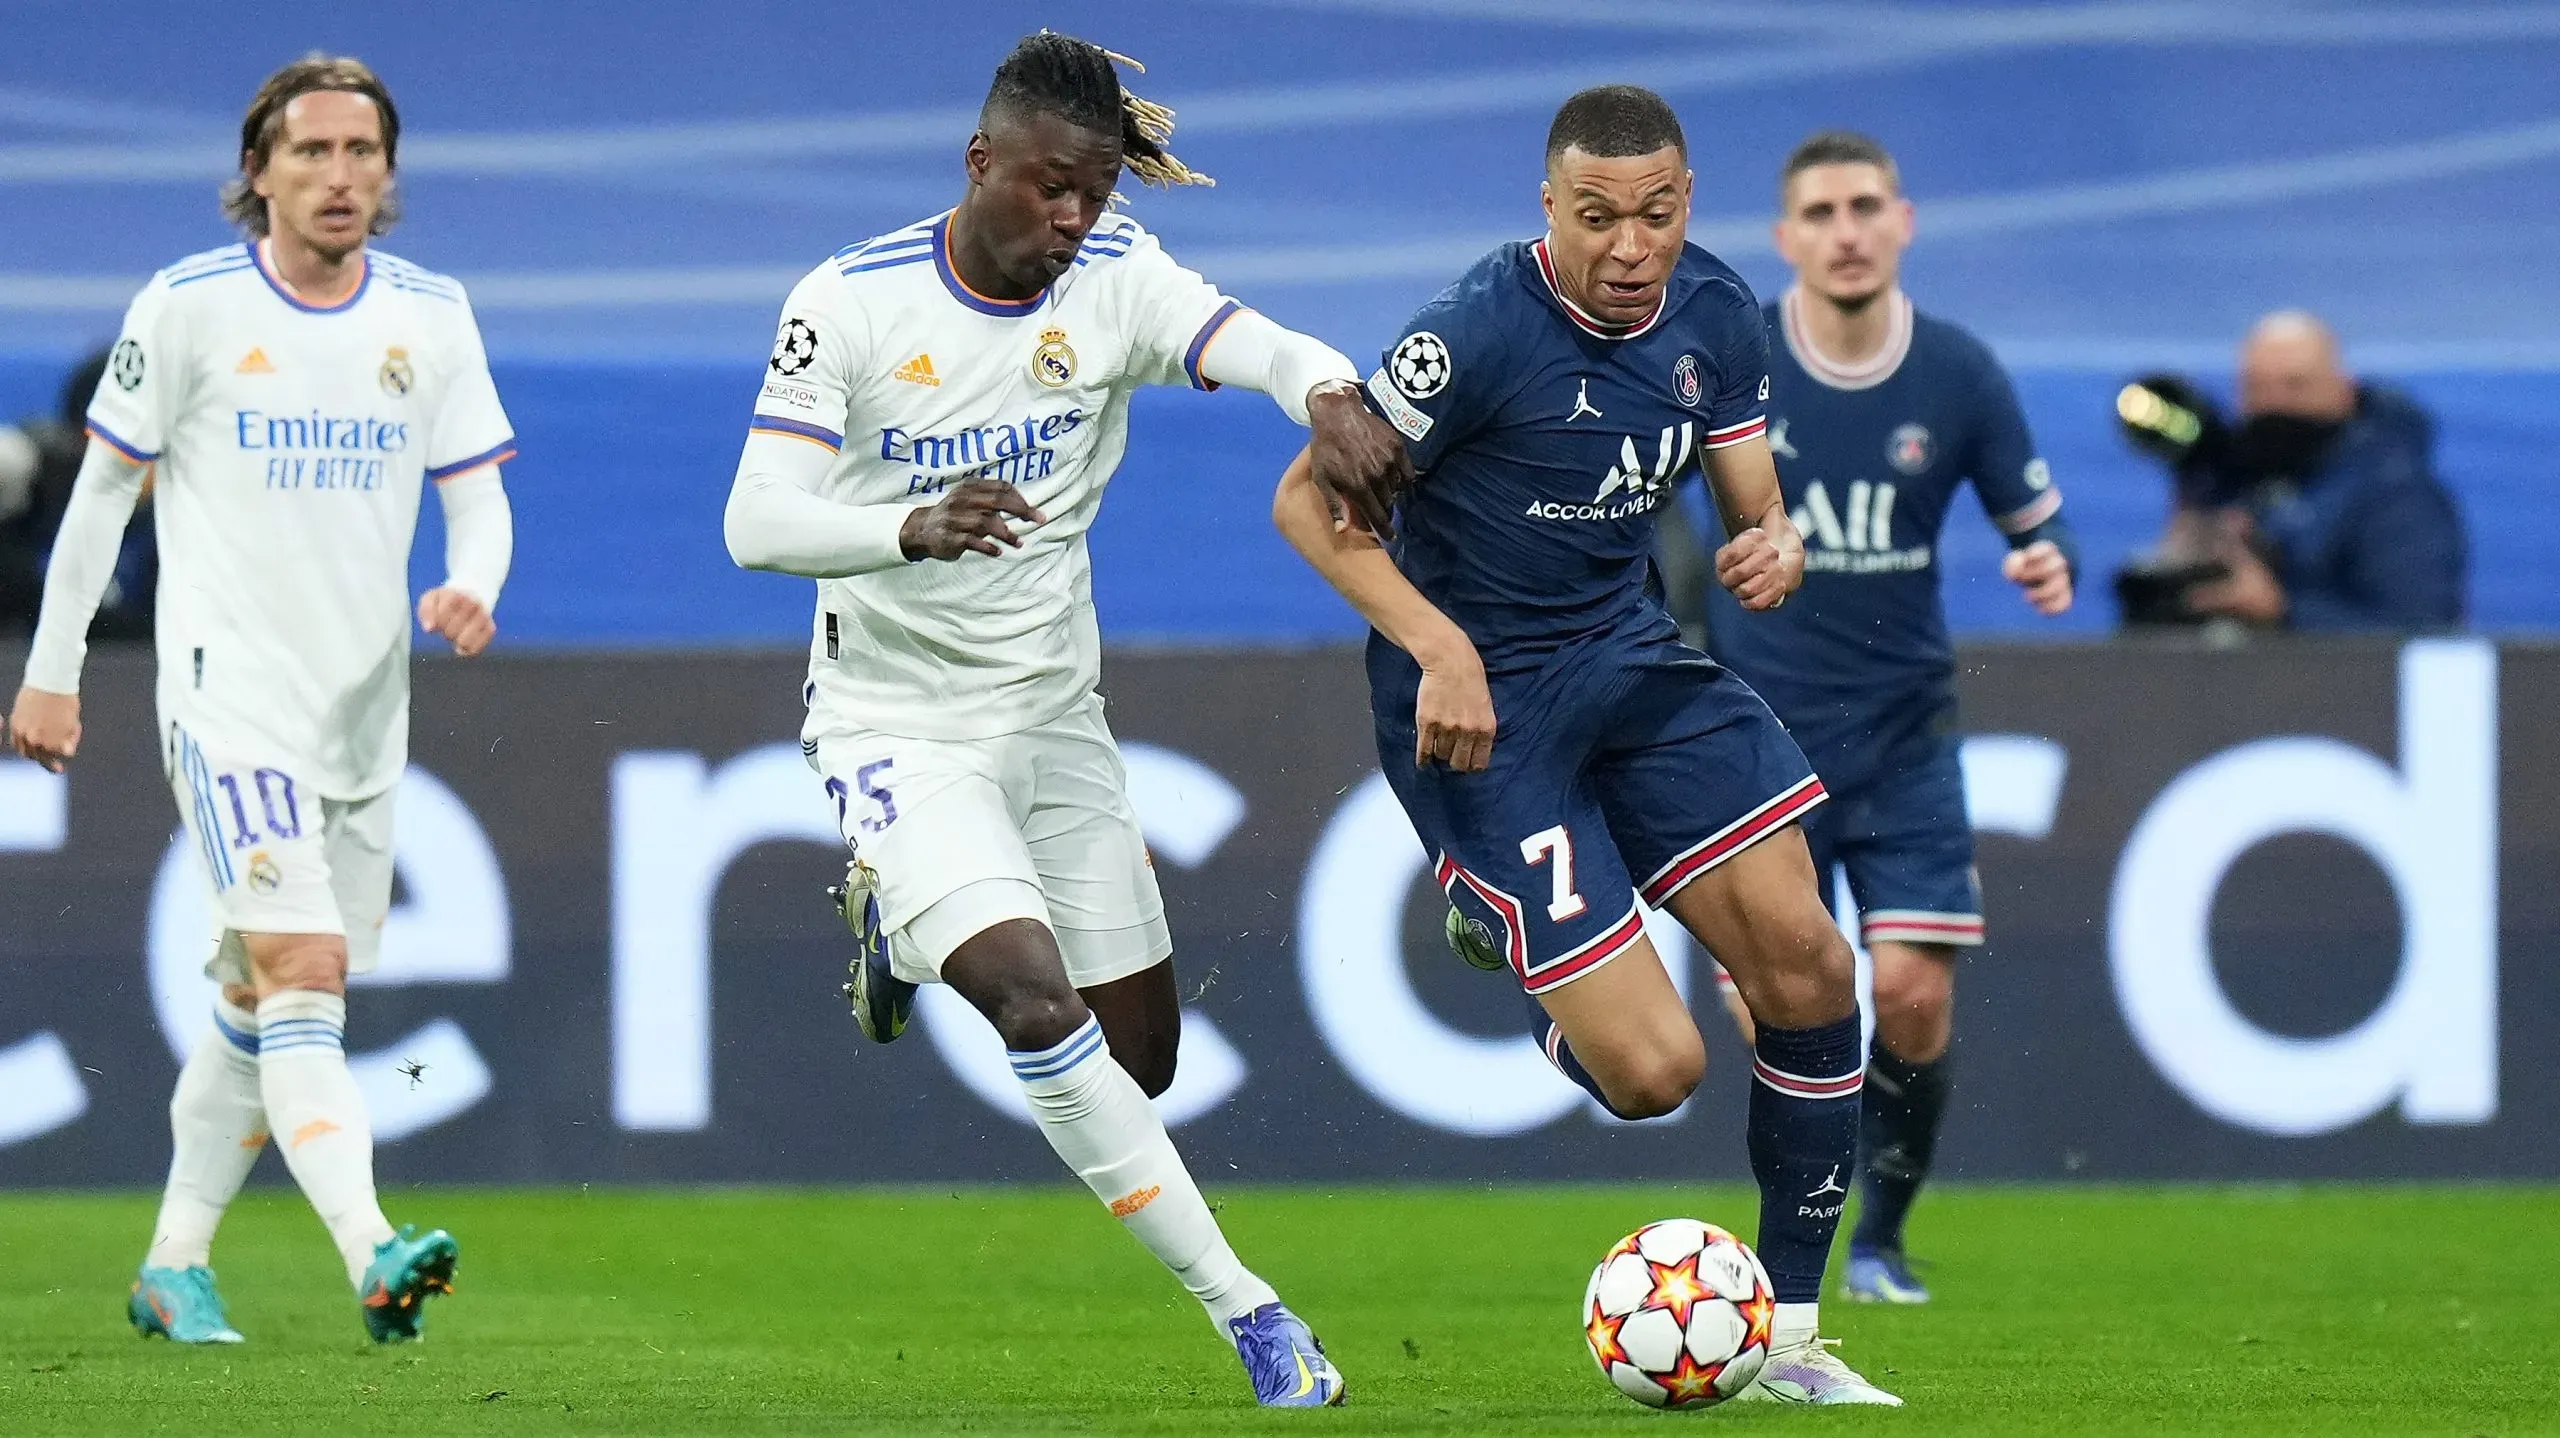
(1909, 449)
(1684, 379)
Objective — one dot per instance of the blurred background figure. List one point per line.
(39, 456)
(2317, 510)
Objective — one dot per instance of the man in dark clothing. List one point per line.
(2321, 506)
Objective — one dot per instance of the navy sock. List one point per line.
(1804, 1143)
(1551, 1041)
(1897, 1138)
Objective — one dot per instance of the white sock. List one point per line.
(1100, 1122)
(217, 1124)
(317, 1115)
(1795, 1325)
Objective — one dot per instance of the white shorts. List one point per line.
(281, 859)
(966, 834)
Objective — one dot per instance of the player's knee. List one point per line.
(1032, 1019)
(1655, 1089)
(297, 961)
(1654, 1083)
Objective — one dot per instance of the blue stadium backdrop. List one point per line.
(630, 191)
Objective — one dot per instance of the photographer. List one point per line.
(2318, 511)
(39, 457)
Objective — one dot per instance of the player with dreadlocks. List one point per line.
(943, 406)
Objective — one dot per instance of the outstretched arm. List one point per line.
(1763, 561)
(45, 723)
(1453, 715)
(1355, 458)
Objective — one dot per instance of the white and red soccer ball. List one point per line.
(1678, 1314)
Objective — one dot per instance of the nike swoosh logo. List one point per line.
(1306, 1377)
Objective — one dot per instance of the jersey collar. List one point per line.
(284, 292)
(1581, 319)
(1866, 373)
(959, 288)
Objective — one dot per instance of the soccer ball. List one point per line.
(1678, 1314)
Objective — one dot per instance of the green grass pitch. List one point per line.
(2397, 1310)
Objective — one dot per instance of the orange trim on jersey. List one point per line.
(501, 457)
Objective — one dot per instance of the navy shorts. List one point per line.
(1623, 766)
(1896, 824)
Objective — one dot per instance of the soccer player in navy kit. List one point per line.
(1551, 398)
(1876, 414)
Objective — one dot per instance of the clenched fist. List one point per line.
(1761, 569)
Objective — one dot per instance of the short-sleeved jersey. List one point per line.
(1870, 458)
(916, 383)
(1545, 441)
(290, 446)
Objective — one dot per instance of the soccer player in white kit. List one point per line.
(288, 398)
(930, 390)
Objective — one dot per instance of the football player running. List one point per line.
(942, 409)
(289, 397)
(1878, 412)
(1552, 398)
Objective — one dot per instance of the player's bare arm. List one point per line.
(1453, 717)
(1763, 562)
(44, 724)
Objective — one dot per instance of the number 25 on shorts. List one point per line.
(866, 780)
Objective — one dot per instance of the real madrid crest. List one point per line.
(1053, 363)
(396, 374)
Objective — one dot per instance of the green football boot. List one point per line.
(407, 1270)
(179, 1304)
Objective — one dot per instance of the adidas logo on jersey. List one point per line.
(254, 362)
(917, 371)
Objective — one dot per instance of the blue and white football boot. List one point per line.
(1285, 1360)
(179, 1304)
(1882, 1275)
(882, 1002)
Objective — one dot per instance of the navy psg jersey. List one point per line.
(1545, 441)
(1870, 458)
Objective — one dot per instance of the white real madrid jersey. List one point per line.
(918, 382)
(290, 444)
